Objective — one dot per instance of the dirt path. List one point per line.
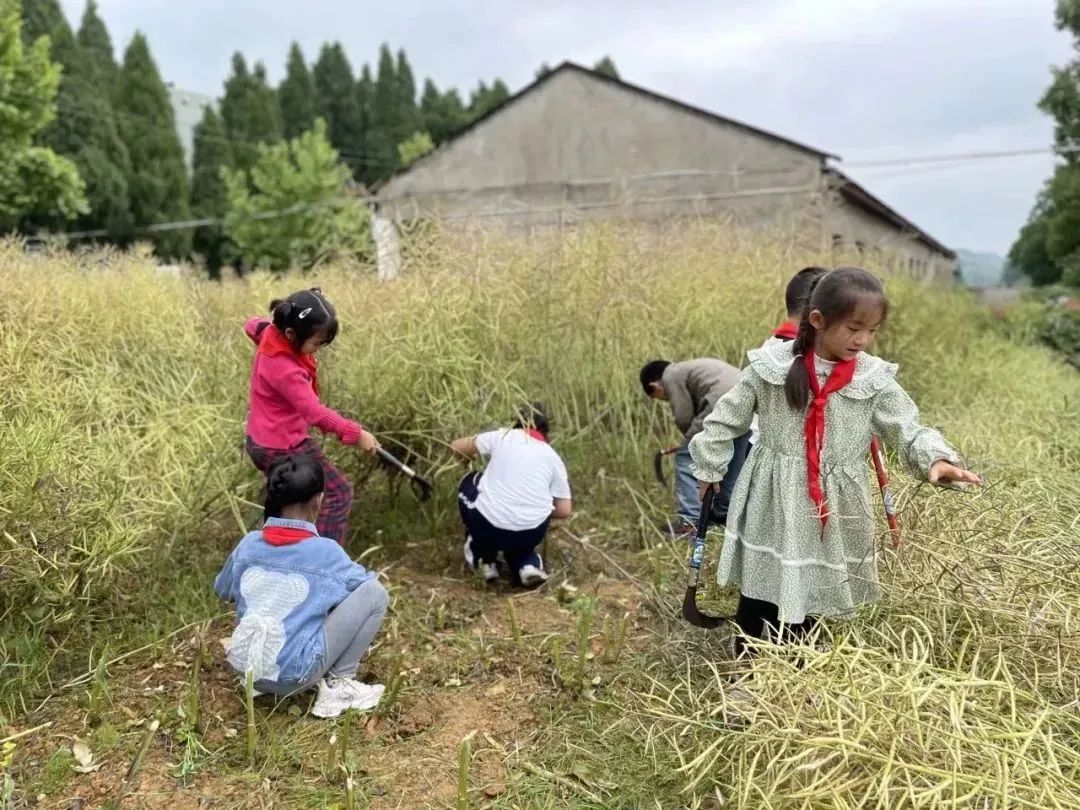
(448, 639)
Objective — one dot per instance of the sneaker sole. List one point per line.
(330, 710)
(369, 701)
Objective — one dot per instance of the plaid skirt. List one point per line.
(333, 519)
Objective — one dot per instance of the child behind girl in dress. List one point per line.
(800, 534)
(307, 613)
(284, 398)
(795, 295)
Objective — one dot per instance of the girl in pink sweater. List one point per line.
(284, 399)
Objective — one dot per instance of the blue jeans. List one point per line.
(686, 486)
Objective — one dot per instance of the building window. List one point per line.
(837, 240)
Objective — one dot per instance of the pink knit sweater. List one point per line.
(283, 405)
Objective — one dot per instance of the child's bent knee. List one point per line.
(379, 596)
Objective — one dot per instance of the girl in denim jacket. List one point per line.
(307, 613)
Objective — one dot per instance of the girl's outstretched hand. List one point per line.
(702, 488)
(367, 442)
(942, 472)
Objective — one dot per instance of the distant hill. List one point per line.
(981, 269)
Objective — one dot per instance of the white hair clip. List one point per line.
(304, 314)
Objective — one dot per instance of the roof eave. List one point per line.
(858, 195)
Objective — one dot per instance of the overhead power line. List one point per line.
(960, 157)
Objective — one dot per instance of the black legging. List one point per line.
(759, 619)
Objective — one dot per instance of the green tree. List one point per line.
(442, 114)
(1048, 247)
(96, 44)
(414, 147)
(264, 125)
(1029, 253)
(234, 112)
(408, 112)
(45, 18)
(606, 67)
(249, 111)
(99, 151)
(296, 95)
(385, 118)
(336, 101)
(158, 182)
(33, 179)
(291, 208)
(363, 167)
(85, 127)
(484, 99)
(208, 198)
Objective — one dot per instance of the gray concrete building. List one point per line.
(578, 146)
(188, 110)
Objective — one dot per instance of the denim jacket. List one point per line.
(283, 594)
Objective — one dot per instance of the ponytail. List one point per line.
(797, 382)
(305, 312)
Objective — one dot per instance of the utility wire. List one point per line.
(963, 156)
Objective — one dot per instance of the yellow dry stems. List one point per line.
(122, 400)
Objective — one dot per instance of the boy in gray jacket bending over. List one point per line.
(692, 388)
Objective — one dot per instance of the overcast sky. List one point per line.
(864, 79)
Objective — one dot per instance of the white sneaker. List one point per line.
(530, 575)
(364, 695)
(489, 570)
(338, 694)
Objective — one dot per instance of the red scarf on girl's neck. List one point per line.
(272, 342)
(285, 535)
(536, 434)
(841, 375)
(788, 330)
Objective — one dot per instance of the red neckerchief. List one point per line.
(272, 343)
(536, 434)
(788, 330)
(285, 535)
(841, 375)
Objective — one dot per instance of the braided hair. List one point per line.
(835, 295)
(305, 312)
(291, 480)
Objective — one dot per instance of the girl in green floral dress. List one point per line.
(800, 533)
